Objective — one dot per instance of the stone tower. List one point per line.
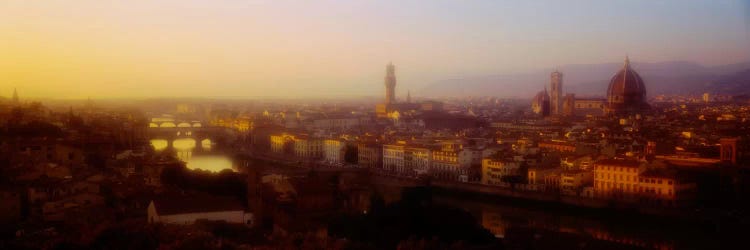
(728, 150)
(15, 96)
(390, 84)
(556, 81)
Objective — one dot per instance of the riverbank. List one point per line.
(587, 205)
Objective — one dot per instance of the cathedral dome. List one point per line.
(626, 92)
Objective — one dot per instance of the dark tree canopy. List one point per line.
(415, 217)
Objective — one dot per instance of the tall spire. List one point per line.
(408, 96)
(15, 95)
(627, 61)
(626, 68)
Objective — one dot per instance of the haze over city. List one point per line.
(123, 49)
(404, 125)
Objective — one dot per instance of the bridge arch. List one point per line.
(167, 125)
(197, 125)
(184, 125)
(153, 125)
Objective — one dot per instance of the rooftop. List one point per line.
(618, 162)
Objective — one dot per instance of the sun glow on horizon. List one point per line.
(64, 49)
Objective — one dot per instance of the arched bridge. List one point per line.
(172, 129)
(165, 123)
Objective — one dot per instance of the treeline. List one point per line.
(415, 222)
(224, 183)
(33, 129)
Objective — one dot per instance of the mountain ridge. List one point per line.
(669, 77)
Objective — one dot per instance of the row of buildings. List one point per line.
(544, 166)
(588, 155)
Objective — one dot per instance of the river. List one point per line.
(197, 155)
(570, 228)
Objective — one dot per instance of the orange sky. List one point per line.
(78, 49)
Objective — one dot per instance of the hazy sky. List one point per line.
(235, 48)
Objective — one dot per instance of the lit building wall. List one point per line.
(334, 150)
(307, 148)
(616, 178)
(370, 155)
(493, 170)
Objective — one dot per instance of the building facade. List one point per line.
(370, 155)
(556, 84)
(493, 170)
(664, 188)
(616, 178)
(308, 148)
(573, 181)
(334, 151)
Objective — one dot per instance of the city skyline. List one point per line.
(443, 124)
(283, 49)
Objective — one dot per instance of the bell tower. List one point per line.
(728, 150)
(15, 96)
(556, 81)
(390, 84)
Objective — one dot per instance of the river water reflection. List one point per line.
(500, 219)
(196, 155)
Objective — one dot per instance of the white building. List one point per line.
(406, 159)
(188, 209)
(334, 151)
(308, 148)
(417, 160)
(393, 157)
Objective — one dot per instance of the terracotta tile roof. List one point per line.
(618, 162)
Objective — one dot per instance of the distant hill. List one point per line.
(676, 77)
(733, 84)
